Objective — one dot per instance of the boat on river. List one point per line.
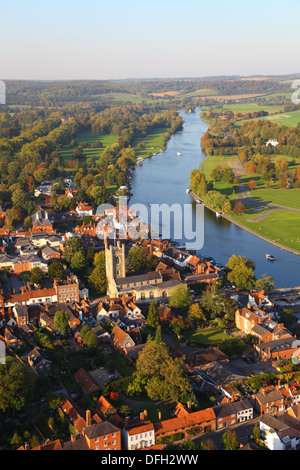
(179, 153)
(270, 257)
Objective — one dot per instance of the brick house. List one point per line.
(98, 436)
(280, 349)
(121, 339)
(228, 414)
(39, 363)
(41, 222)
(86, 381)
(268, 400)
(205, 420)
(104, 407)
(67, 291)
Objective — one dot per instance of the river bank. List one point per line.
(228, 217)
(164, 178)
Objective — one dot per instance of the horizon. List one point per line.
(286, 76)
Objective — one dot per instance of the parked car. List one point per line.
(112, 377)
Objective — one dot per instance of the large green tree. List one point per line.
(17, 385)
(241, 272)
(161, 376)
(181, 297)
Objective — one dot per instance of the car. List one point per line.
(112, 377)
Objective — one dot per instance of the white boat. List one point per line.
(188, 191)
(218, 214)
(179, 153)
(270, 257)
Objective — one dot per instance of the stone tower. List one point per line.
(115, 266)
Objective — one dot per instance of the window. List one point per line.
(104, 438)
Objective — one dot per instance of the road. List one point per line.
(242, 430)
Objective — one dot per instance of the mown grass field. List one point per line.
(107, 139)
(290, 119)
(152, 143)
(209, 337)
(252, 107)
(280, 226)
(283, 197)
(218, 160)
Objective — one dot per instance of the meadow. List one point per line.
(280, 226)
(282, 197)
(66, 150)
(289, 119)
(151, 144)
(209, 337)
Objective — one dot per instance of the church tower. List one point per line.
(115, 266)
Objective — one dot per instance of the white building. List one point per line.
(278, 435)
(139, 437)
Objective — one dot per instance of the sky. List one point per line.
(117, 39)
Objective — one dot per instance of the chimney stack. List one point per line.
(88, 418)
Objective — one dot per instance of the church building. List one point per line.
(153, 285)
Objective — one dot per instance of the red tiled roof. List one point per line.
(192, 419)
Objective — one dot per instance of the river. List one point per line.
(164, 178)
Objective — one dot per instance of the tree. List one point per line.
(161, 376)
(97, 279)
(78, 262)
(17, 384)
(36, 275)
(241, 272)
(137, 258)
(153, 316)
(227, 207)
(207, 444)
(287, 316)
(256, 433)
(181, 297)
(252, 184)
(239, 208)
(61, 321)
(230, 440)
(212, 301)
(89, 337)
(265, 283)
(196, 314)
(56, 271)
(72, 245)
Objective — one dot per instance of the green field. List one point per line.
(209, 337)
(290, 119)
(107, 139)
(229, 161)
(280, 226)
(218, 160)
(252, 107)
(152, 143)
(282, 197)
